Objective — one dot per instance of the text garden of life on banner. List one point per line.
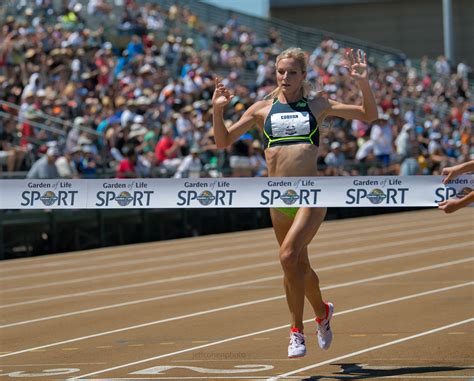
(255, 192)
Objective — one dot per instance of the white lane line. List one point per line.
(137, 262)
(319, 245)
(55, 364)
(133, 250)
(264, 264)
(229, 285)
(285, 326)
(375, 347)
(233, 306)
(189, 378)
(154, 299)
(160, 281)
(261, 242)
(148, 269)
(359, 237)
(421, 377)
(269, 377)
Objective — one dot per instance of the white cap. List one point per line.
(87, 148)
(145, 69)
(53, 151)
(137, 130)
(138, 119)
(84, 140)
(78, 120)
(143, 101)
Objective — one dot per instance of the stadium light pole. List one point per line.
(448, 30)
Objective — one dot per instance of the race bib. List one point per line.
(290, 124)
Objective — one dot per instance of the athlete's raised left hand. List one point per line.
(357, 64)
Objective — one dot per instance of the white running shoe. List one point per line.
(297, 346)
(324, 329)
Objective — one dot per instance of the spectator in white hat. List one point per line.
(335, 158)
(382, 137)
(191, 166)
(403, 141)
(66, 166)
(45, 168)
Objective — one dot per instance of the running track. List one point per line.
(213, 307)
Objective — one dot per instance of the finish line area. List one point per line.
(244, 192)
(212, 307)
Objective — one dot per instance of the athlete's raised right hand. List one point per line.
(221, 96)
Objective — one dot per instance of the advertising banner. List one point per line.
(255, 192)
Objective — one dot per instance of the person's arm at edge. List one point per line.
(450, 206)
(453, 172)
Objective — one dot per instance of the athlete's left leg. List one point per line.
(312, 290)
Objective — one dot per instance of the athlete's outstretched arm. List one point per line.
(368, 110)
(223, 136)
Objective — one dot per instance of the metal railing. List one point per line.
(40, 114)
(54, 130)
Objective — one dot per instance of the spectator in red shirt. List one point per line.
(167, 150)
(127, 167)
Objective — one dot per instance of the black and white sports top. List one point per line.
(290, 123)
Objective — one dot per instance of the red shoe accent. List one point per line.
(318, 319)
(294, 329)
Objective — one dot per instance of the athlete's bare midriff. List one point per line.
(292, 160)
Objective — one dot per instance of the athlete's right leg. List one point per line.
(297, 346)
(281, 225)
(294, 237)
(293, 278)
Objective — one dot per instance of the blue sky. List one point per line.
(252, 7)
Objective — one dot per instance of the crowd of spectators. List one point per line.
(135, 101)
